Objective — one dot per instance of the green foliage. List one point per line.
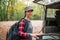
(38, 10)
(51, 13)
(13, 10)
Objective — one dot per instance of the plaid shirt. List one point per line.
(21, 33)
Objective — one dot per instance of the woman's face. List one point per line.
(29, 13)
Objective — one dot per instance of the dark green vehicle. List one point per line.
(51, 28)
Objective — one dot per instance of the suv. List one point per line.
(51, 28)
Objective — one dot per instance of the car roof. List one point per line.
(53, 5)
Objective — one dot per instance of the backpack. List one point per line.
(12, 34)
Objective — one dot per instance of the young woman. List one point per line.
(26, 35)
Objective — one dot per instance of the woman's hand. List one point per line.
(34, 35)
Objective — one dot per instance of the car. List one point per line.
(51, 25)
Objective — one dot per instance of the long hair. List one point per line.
(24, 14)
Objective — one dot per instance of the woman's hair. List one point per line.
(25, 14)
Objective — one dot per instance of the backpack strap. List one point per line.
(26, 24)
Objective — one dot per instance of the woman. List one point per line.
(27, 35)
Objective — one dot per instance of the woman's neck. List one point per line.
(27, 18)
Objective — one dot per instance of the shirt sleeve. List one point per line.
(21, 28)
